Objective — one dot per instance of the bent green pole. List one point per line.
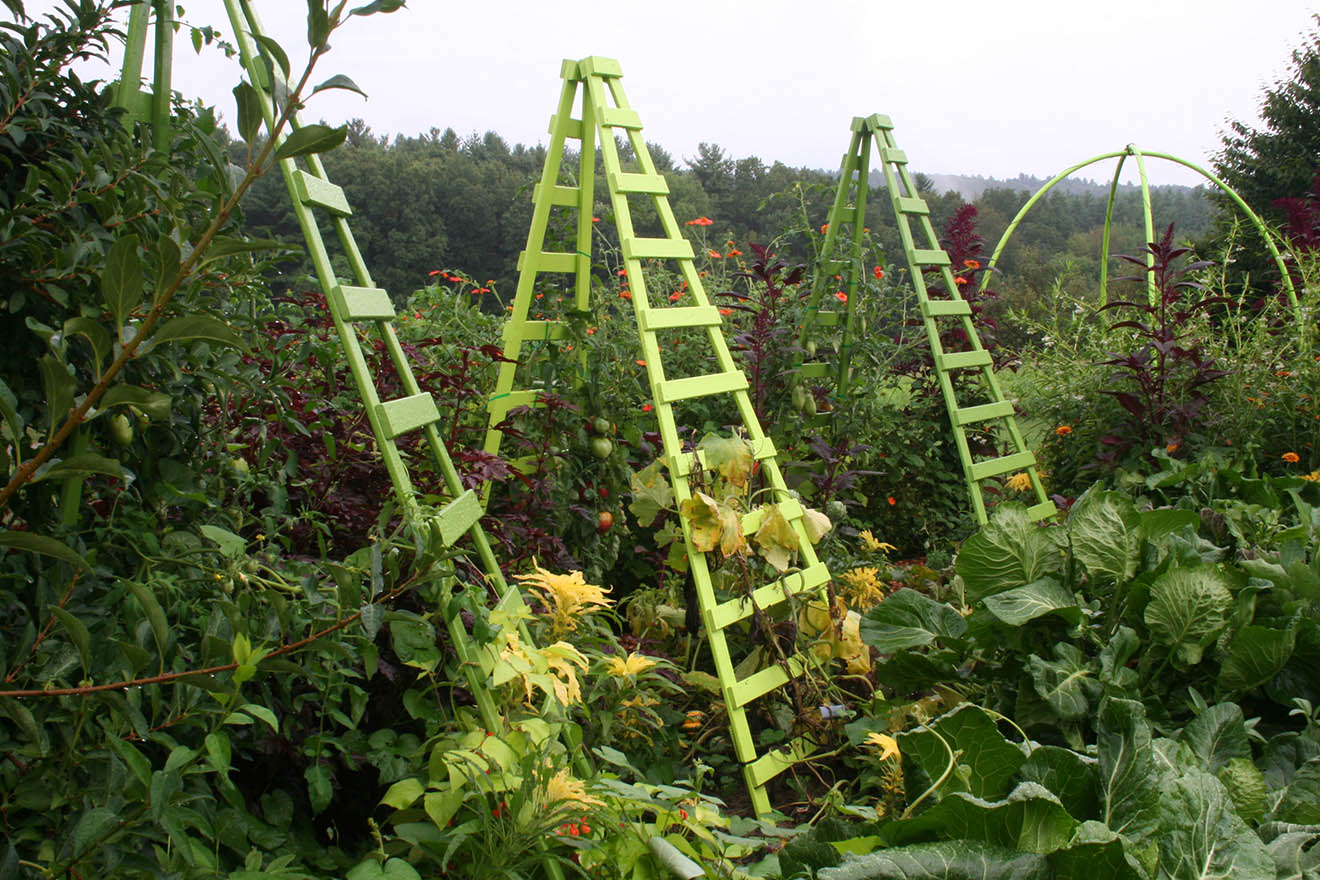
(1225, 188)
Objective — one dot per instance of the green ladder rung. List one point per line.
(320, 193)
(362, 303)
(930, 257)
(815, 370)
(880, 121)
(993, 467)
(730, 612)
(1044, 510)
(572, 128)
(406, 414)
(456, 517)
(656, 249)
(679, 316)
(910, 205)
(563, 196)
(986, 411)
(613, 117)
(790, 509)
(962, 360)
(647, 184)
(893, 155)
(762, 682)
(500, 406)
(551, 261)
(771, 764)
(673, 390)
(598, 65)
(543, 331)
(945, 308)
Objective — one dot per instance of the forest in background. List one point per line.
(441, 201)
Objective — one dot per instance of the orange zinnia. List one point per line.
(1063, 430)
(1291, 457)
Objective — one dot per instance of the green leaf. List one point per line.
(154, 403)
(231, 546)
(1300, 803)
(1094, 851)
(311, 139)
(378, 6)
(651, 493)
(187, 327)
(1008, 552)
(96, 335)
(944, 860)
(1187, 611)
(165, 784)
(276, 52)
(85, 463)
(1106, 535)
(44, 545)
(57, 384)
(1155, 524)
(77, 631)
(168, 263)
(1029, 819)
(1246, 786)
(318, 24)
(339, 81)
(261, 713)
(319, 788)
(909, 619)
(226, 246)
(413, 640)
(986, 760)
(249, 111)
(1256, 655)
(139, 765)
(1217, 735)
(218, 751)
(1066, 683)
(1130, 781)
(1036, 599)
(404, 793)
(122, 278)
(393, 869)
(94, 826)
(160, 627)
(1072, 777)
(1204, 835)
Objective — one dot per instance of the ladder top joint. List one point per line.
(596, 65)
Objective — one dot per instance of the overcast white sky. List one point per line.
(991, 88)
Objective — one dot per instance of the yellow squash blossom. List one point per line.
(872, 545)
(888, 745)
(634, 663)
(567, 595)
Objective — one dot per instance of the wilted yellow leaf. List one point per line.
(817, 524)
(703, 518)
(775, 539)
(730, 457)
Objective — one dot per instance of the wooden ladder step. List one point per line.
(893, 155)
(728, 613)
(962, 360)
(406, 414)
(319, 193)
(456, 517)
(910, 205)
(678, 316)
(498, 407)
(945, 308)
(673, 390)
(993, 467)
(551, 261)
(656, 249)
(614, 117)
(1044, 510)
(685, 464)
(543, 331)
(762, 682)
(815, 370)
(563, 196)
(361, 303)
(649, 184)
(772, 763)
(986, 411)
(930, 257)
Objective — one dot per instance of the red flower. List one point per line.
(595, 219)
(435, 272)
(627, 294)
(646, 407)
(892, 501)
(641, 363)
(878, 272)
(676, 296)
(841, 296)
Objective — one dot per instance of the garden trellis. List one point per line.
(924, 255)
(605, 113)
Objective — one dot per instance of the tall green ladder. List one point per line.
(838, 270)
(362, 308)
(993, 418)
(605, 114)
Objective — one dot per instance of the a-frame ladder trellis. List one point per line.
(605, 112)
(361, 307)
(939, 304)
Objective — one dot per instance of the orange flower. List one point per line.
(1282, 374)
(715, 255)
(734, 253)
(892, 501)
(878, 272)
(726, 312)
(641, 363)
(960, 281)
(627, 294)
(700, 221)
(621, 272)
(1063, 430)
(591, 331)
(824, 227)
(841, 296)
(595, 219)
(1291, 457)
(1172, 446)
(972, 264)
(676, 296)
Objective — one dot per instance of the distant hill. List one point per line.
(970, 187)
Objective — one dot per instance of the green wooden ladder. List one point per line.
(605, 113)
(993, 417)
(359, 307)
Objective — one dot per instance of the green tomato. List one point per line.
(121, 429)
(602, 426)
(601, 447)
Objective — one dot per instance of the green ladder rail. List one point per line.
(921, 257)
(357, 307)
(605, 113)
(837, 270)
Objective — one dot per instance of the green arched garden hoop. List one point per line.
(1121, 155)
